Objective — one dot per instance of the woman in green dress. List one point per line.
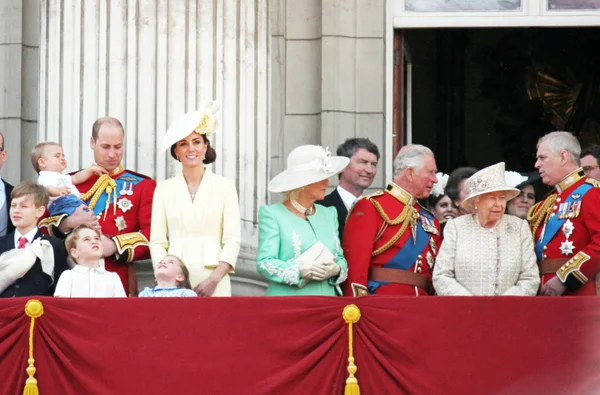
(299, 250)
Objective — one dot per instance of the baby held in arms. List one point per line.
(88, 279)
(48, 160)
(172, 279)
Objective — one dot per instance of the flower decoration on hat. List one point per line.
(440, 186)
(325, 159)
(477, 185)
(514, 178)
(209, 121)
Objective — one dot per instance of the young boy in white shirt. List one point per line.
(88, 279)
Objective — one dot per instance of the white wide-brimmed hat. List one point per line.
(490, 179)
(203, 121)
(306, 165)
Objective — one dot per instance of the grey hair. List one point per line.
(562, 141)
(413, 156)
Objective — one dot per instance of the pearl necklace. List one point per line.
(301, 208)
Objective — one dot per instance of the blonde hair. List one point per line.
(184, 270)
(38, 152)
(39, 193)
(73, 237)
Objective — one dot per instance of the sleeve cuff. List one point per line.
(126, 245)
(51, 224)
(570, 273)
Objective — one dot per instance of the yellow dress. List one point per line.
(201, 232)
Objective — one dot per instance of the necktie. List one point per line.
(22, 241)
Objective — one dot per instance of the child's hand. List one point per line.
(97, 170)
(64, 191)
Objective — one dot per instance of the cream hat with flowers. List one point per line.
(490, 179)
(306, 165)
(203, 121)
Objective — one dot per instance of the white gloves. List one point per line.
(44, 251)
(319, 271)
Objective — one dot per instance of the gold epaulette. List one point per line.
(573, 267)
(128, 242)
(595, 183)
(372, 195)
(50, 223)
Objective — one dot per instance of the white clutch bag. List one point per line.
(316, 253)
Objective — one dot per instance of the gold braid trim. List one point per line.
(536, 217)
(104, 184)
(408, 216)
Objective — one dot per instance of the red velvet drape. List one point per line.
(299, 345)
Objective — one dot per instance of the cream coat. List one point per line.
(202, 232)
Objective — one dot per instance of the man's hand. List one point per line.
(81, 215)
(109, 248)
(554, 287)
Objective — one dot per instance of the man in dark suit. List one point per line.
(42, 265)
(356, 177)
(5, 189)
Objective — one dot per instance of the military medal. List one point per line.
(428, 225)
(125, 204)
(123, 190)
(575, 196)
(120, 223)
(568, 228)
(130, 189)
(432, 245)
(429, 259)
(567, 247)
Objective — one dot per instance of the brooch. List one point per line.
(125, 204)
(567, 247)
(120, 223)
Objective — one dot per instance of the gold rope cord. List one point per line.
(538, 217)
(351, 315)
(104, 184)
(408, 216)
(33, 309)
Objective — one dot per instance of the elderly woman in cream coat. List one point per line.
(487, 252)
(196, 215)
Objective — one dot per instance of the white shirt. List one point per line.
(85, 282)
(29, 236)
(348, 198)
(3, 211)
(55, 179)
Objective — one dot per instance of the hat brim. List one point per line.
(291, 179)
(530, 180)
(511, 193)
(181, 128)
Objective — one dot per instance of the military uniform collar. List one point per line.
(570, 180)
(400, 194)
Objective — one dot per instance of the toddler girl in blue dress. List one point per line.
(172, 279)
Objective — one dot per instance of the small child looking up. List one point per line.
(172, 279)
(48, 160)
(88, 279)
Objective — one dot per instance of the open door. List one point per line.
(402, 124)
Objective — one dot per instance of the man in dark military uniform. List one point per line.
(390, 241)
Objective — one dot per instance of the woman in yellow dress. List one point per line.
(196, 214)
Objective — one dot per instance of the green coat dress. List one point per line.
(283, 237)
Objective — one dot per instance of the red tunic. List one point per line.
(575, 219)
(126, 220)
(367, 231)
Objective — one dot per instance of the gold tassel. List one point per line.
(33, 309)
(351, 315)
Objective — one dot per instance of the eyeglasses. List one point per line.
(587, 169)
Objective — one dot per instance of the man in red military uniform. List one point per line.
(390, 241)
(566, 223)
(120, 203)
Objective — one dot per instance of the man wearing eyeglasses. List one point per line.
(6, 225)
(590, 157)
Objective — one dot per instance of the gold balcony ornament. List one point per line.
(33, 309)
(351, 315)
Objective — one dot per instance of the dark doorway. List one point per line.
(486, 95)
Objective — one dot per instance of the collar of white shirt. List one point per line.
(85, 269)
(347, 197)
(29, 235)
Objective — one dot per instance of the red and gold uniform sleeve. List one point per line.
(361, 229)
(584, 265)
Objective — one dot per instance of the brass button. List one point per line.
(558, 199)
(419, 269)
(556, 207)
(545, 248)
(545, 256)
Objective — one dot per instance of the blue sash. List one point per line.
(554, 223)
(126, 181)
(408, 254)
